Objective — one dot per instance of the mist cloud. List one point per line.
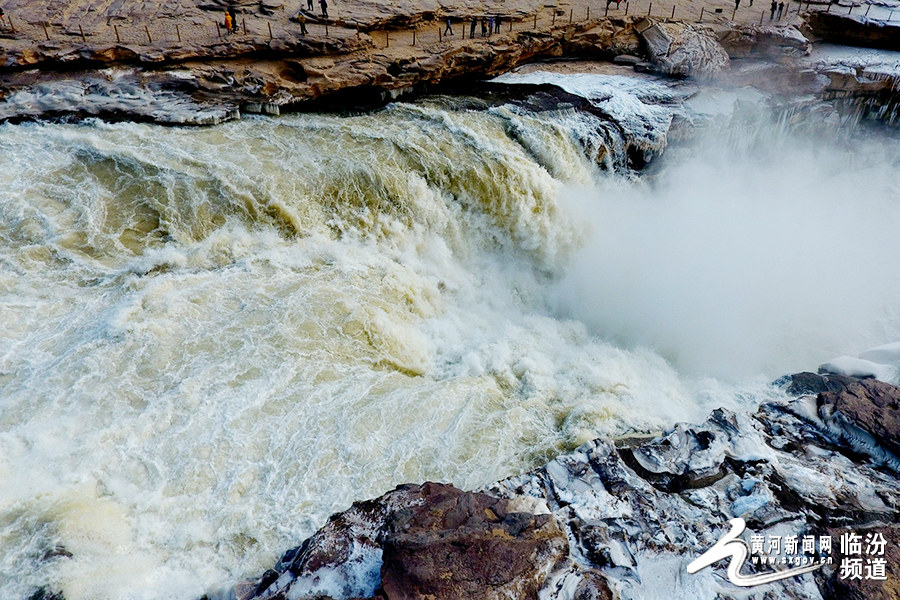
(733, 262)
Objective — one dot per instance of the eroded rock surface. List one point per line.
(682, 49)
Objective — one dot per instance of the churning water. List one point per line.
(213, 338)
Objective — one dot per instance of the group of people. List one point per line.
(776, 7)
(301, 18)
(489, 26)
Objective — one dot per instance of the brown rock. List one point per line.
(871, 405)
(838, 585)
(462, 545)
(593, 586)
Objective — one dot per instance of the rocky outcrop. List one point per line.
(869, 405)
(423, 541)
(635, 513)
(854, 30)
(682, 49)
(742, 41)
(460, 545)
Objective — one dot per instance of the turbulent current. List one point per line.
(211, 339)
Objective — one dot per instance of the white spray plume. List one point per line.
(734, 262)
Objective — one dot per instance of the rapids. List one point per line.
(214, 338)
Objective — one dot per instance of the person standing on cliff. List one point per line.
(774, 8)
(302, 18)
(483, 26)
(737, 5)
(780, 9)
(324, 5)
(309, 5)
(497, 24)
(449, 30)
(229, 22)
(472, 29)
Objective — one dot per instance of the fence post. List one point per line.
(571, 10)
(589, 13)
(83, 39)
(761, 17)
(734, 12)
(46, 33)
(535, 20)
(118, 39)
(387, 38)
(553, 24)
(13, 27)
(626, 9)
(867, 10)
(272, 36)
(147, 29)
(440, 35)
(414, 36)
(672, 18)
(649, 8)
(218, 30)
(701, 13)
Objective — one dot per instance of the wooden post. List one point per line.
(440, 35)
(147, 29)
(829, 10)
(218, 30)
(734, 12)
(357, 30)
(867, 10)
(589, 13)
(387, 38)
(13, 27)
(851, 9)
(83, 39)
(414, 36)
(672, 18)
(553, 24)
(626, 9)
(510, 23)
(701, 13)
(118, 39)
(178, 32)
(606, 12)
(535, 20)
(46, 33)
(272, 36)
(649, 8)
(326, 28)
(244, 23)
(761, 17)
(571, 10)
